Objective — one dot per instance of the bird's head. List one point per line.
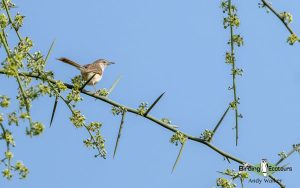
(104, 63)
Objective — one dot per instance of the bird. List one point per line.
(87, 71)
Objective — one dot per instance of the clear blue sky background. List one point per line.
(172, 46)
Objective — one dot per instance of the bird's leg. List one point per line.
(94, 88)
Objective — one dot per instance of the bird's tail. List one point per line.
(70, 62)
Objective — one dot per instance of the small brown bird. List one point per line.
(88, 70)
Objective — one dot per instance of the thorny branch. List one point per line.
(149, 117)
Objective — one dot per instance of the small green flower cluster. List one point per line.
(241, 174)
(282, 155)
(229, 59)
(13, 119)
(296, 147)
(3, 21)
(22, 169)
(77, 119)
(8, 137)
(178, 137)
(61, 86)
(9, 155)
(36, 64)
(35, 129)
(18, 21)
(93, 126)
(31, 94)
(233, 104)
(96, 140)
(207, 135)
(1, 118)
(231, 20)
(225, 7)
(102, 92)
(44, 89)
(225, 183)
(9, 4)
(292, 39)
(7, 173)
(24, 115)
(116, 110)
(21, 50)
(237, 40)
(237, 71)
(74, 95)
(166, 120)
(286, 17)
(19, 167)
(142, 109)
(4, 101)
(11, 67)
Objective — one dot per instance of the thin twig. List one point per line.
(233, 76)
(7, 50)
(278, 15)
(10, 19)
(91, 135)
(289, 154)
(134, 111)
(7, 146)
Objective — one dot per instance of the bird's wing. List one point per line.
(70, 62)
(93, 68)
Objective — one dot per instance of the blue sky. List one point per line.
(168, 46)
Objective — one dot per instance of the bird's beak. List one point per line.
(110, 63)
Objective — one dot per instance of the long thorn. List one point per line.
(219, 122)
(178, 156)
(54, 109)
(49, 51)
(114, 85)
(119, 133)
(150, 108)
